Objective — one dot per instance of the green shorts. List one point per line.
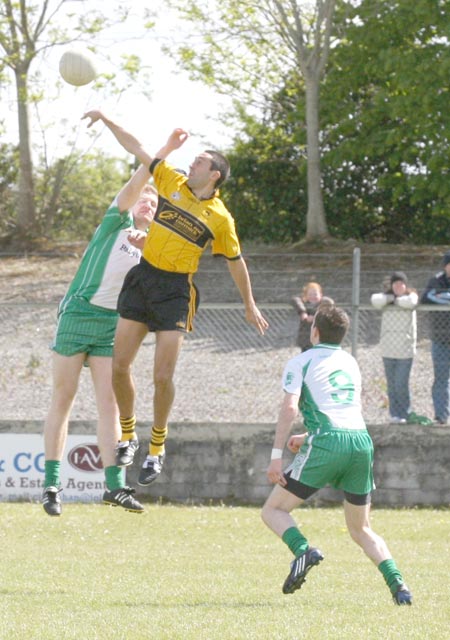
(340, 458)
(84, 328)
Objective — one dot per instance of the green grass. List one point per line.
(209, 573)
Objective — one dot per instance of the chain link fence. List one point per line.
(226, 371)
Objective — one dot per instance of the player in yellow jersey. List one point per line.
(158, 294)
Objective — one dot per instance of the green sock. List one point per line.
(115, 477)
(391, 574)
(296, 542)
(52, 473)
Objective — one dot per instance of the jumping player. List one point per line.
(87, 320)
(158, 294)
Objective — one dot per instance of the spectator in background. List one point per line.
(398, 342)
(438, 292)
(306, 306)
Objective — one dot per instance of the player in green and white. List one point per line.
(325, 384)
(87, 320)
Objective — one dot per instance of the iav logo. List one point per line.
(85, 457)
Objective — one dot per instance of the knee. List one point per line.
(120, 367)
(265, 513)
(63, 397)
(162, 379)
(359, 534)
(64, 391)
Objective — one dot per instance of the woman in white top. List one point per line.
(398, 342)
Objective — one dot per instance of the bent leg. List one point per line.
(66, 374)
(373, 545)
(357, 518)
(276, 512)
(276, 515)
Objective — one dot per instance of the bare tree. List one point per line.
(308, 38)
(249, 47)
(27, 29)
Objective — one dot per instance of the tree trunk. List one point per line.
(26, 213)
(316, 226)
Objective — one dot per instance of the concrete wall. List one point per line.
(227, 462)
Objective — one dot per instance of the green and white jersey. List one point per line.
(107, 259)
(328, 380)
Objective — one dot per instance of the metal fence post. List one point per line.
(356, 285)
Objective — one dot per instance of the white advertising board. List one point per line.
(22, 468)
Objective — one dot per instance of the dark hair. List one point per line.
(221, 164)
(332, 323)
(399, 275)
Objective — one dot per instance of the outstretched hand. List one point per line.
(177, 138)
(254, 316)
(94, 115)
(137, 238)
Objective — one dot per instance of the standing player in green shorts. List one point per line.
(325, 383)
(87, 319)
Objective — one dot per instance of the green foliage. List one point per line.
(73, 194)
(386, 128)
(261, 197)
(267, 188)
(28, 30)
(385, 134)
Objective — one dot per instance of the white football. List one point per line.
(77, 67)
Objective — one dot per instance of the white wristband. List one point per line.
(276, 454)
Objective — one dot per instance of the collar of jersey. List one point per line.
(326, 345)
(211, 197)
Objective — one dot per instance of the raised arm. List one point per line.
(130, 192)
(131, 144)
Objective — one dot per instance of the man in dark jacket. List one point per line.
(438, 292)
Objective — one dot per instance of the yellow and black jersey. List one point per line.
(183, 225)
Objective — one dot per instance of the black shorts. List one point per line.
(304, 491)
(163, 300)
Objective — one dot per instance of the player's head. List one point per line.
(219, 163)
(209, 168)
(145, 208)
(330, 324)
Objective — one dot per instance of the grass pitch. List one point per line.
(210, 573)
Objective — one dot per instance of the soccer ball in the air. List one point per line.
(77, 67)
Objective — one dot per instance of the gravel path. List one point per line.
(213, 384)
